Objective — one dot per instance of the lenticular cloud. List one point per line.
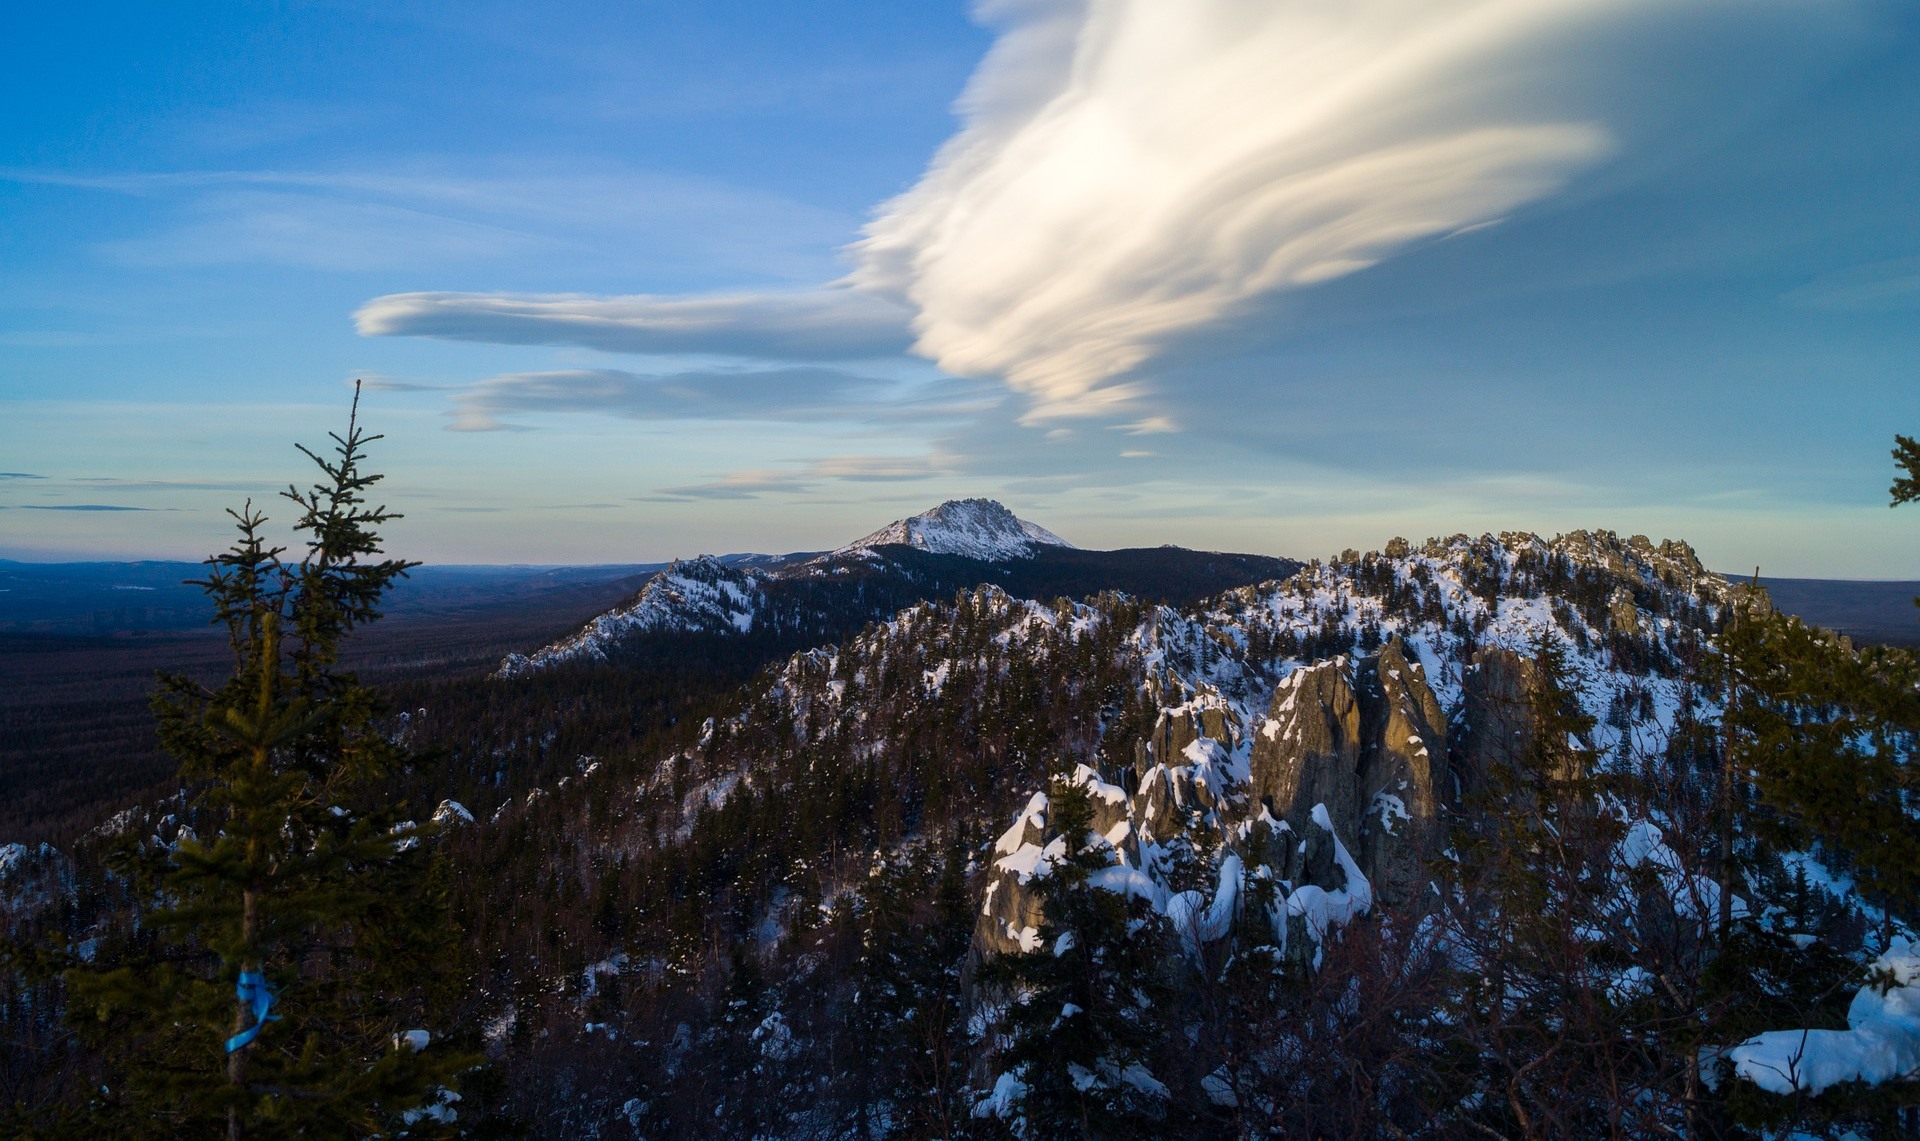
(1129, 170)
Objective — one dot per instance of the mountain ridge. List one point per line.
(786, 603)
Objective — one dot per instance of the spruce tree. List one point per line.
(1827, 734)
(1906, 457)
(1906, 486)
(1537, 914)
(296, 941)
(1088, 1007)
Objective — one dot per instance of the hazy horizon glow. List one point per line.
(1276, 277)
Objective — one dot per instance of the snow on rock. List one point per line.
(32, 878)
(441, 1110)
(1026, 831)
(774, 1039)
(590, 978)
(1322, 910)
(1123, 880)
(1030, 861)
(452, 813)
(1085, 777)
(1197, 927)
(975, 528)
(1881, 1043)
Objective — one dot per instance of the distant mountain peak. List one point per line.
(976, 528)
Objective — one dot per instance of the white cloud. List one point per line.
(1133, 169)
(1132, 173)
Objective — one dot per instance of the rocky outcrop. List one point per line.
(1369, 742)
(1308, 751)
(32, 879)
(1403, 777)
(1010, 915)
(1495, 721)
(1622, 614)
(1495, 728)
(1205, 716)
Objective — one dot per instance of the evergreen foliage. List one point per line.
(1086, 1011)
(1828, 735)
(1906, 458)
(282, 865)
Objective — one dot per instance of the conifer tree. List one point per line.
(287, 977)
(1906, 486)
(1906, 457)
(1828, 733)
(1087, 1007)
(1824, 737)
(1537, 916)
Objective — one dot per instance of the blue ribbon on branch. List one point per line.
(253, 991)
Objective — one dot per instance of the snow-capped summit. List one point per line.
(975, 528)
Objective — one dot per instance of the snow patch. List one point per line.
(1881, 1043)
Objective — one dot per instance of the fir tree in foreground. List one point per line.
(286, 973)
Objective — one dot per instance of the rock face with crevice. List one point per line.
(1369, 741)
(1494, 721)
(1404, 778)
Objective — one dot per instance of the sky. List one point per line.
(637, 281)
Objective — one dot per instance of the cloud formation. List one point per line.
(755, 482)
(586, 218)
(788, 394)
(1130, 174)
(819, 324)
(1130, 170)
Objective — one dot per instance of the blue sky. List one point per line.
(661, 279)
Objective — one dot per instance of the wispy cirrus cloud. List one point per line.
(805, 477)
(356, 220)
(784, 394)
(1129, 171)
(80, 507)
(810, 325)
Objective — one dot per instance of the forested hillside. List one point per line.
(1447, 839)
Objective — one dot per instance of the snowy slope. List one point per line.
(693, 596)
(975, 528)
(729, 594)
